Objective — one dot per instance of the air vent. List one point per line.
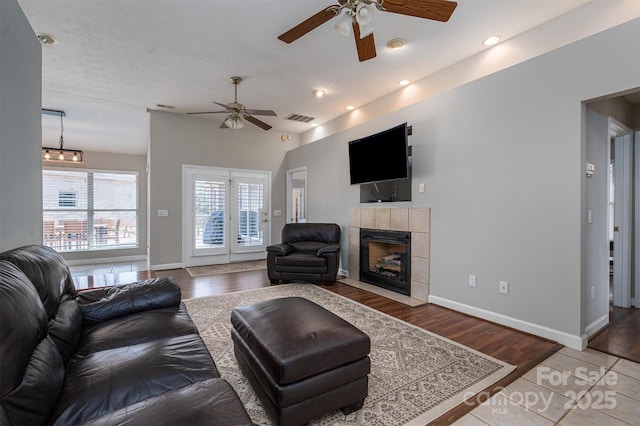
(300, 118)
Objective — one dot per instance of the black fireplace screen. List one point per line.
(385, 259)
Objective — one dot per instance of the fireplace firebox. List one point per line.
(385, 259)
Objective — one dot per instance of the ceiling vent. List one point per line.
(300, 118)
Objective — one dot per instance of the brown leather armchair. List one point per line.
(308, 251)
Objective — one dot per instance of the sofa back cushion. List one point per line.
(47, 271)
(49, 275)
(32, 370)
(301, 234)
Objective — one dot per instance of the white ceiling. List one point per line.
(116, 58)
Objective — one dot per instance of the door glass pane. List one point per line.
(209, 213)
(250, 199)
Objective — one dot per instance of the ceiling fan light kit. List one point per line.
(237, 113)
(358, 15)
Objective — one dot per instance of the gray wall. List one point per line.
(502, 161)
(595, 245)
(178, 139)
(20, 130)
(120, 162)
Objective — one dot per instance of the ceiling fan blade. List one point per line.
(257, 122)
(307, 25)
(261, 112)
(224, 125)
(438, 10)
(207, 112)
(222, 105)
(366, 46)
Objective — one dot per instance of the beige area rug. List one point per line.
(225, 268)
(416, 376)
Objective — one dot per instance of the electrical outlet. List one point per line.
(504, 287)
(472, 280)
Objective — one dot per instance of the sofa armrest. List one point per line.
(329, 248)
(112, 302)
(282, 249)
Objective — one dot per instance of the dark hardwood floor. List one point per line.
(517, 348)
(622, 336)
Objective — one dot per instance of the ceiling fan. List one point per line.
(358, 14)
(236, 112)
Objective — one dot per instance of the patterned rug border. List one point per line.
(438, 410)
(226, 268)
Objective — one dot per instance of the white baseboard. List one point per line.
(80, 262)
(570, 340)
(166, 266)
(597, 325)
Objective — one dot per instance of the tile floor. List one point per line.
(108, 268)
(568, 388)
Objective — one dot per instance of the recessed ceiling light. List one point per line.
(403, 82)
(46, 39)
(490, 41)
(396, 43)
(318, 93)
(350, 107)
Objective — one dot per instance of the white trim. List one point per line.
(597, 325)
(570, 340)
(166, 266)
(80, 262)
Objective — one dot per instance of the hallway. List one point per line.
(622, 336)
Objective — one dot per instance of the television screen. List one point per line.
(379, 157)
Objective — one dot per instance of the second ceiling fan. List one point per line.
(236, 112)
(357, 14)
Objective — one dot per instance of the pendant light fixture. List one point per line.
(61, 155)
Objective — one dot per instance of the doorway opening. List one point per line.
(297, 195)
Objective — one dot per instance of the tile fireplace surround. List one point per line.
(414, 220)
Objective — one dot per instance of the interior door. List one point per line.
(622, 235)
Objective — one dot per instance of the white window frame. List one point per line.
(90, 211)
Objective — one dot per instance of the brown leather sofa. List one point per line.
(308, 252)
(122, 355)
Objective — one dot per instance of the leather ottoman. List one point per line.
(302, 360)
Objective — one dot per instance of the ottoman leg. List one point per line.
(352, 407)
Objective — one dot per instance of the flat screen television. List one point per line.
(380, 157)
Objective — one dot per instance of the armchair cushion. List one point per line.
(308, 246)
(307, 260)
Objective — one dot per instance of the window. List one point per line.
(89, 210)
(67, 199)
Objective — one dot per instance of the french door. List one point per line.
(225, 215)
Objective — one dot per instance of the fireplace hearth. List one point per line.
(385, 259)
